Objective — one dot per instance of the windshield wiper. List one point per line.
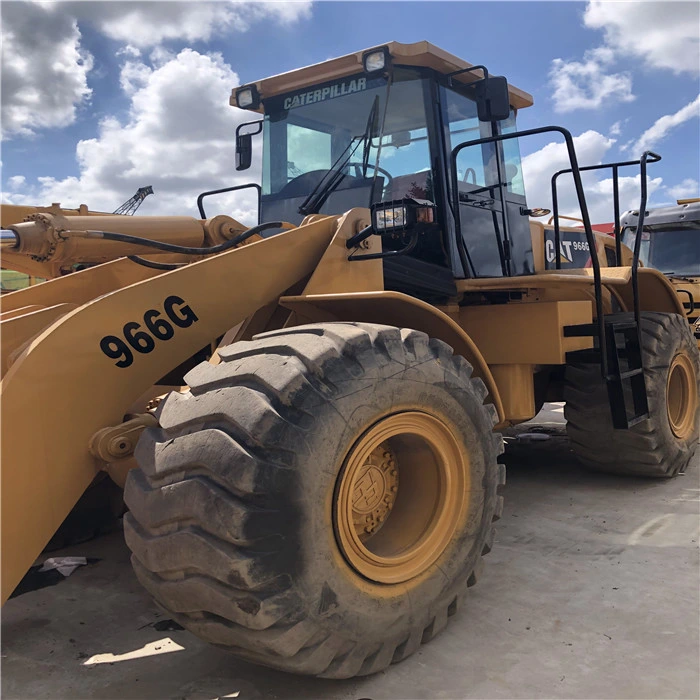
(676, 276)
(330, 181)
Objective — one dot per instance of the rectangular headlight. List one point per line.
(402, 215)
(376, 60)
(391, 217)
(248, 97)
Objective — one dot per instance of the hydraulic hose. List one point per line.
(171, 247)
(155, 265)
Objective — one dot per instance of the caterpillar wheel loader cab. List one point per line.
(319, 495)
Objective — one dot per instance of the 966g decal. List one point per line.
(143, 340)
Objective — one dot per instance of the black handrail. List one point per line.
(646, 156)
(483, 69)
(654, 158)
(257, 187)
(575, 171)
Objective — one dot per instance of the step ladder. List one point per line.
(623, 368)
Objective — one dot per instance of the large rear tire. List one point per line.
(318, 502)
(660, 446)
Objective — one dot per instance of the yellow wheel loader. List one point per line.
(317, 489)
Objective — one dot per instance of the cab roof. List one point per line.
(420, 53)
(686, 211)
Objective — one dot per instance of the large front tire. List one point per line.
(320, 500)
(661, 446)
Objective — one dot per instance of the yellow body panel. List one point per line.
(16, 331)
(535, 331)
(517, 391)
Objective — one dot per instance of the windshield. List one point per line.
(672, 249)
(311, 136)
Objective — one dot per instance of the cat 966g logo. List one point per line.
(573, 250)
(142, 338)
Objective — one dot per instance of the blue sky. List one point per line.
(100, 98)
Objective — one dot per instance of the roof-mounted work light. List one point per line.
(248, 97)
(376, 60)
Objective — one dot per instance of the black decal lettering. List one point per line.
(183, 317)
(116, 348)
(160, 328)
(140, 341)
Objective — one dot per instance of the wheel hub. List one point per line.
(681, 397)
(400, 497)
(375, 491)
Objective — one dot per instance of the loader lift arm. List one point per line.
(82, 372)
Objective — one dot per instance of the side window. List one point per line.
(476, 166)
(511, 157)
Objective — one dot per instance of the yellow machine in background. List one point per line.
(318, 495)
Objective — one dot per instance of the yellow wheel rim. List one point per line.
(400, 497)
(681, 397)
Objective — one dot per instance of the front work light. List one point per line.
(248, 97)
(376, 60)
(402, 214)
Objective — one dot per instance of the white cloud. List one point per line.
(591, 148)
(178, 137)
(664, 34)
(585, 85)
(44, 71)
(616, 128)
(133, 76)
(658, 131)
(687, 189)
(16, 181)
(129, 51)
(146, 24)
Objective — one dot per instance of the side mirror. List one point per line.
(492, 99)
(244, 151)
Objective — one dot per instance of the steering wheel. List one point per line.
(358, 172)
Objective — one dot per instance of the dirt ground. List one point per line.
(591, 591)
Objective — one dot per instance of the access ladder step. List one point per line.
(583, 330)
(625, 375)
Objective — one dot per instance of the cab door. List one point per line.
(490, 198)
